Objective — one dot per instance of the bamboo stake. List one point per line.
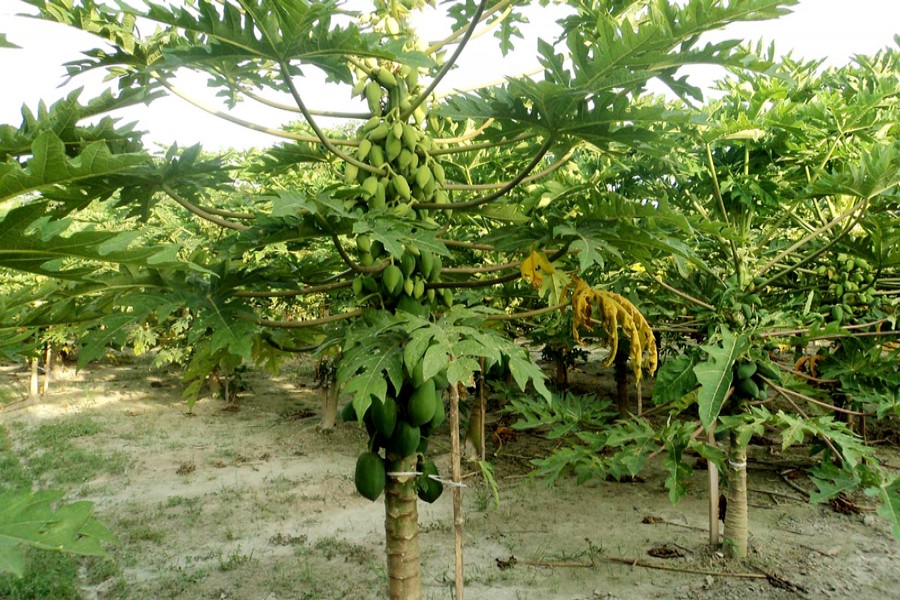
(481, 397)
(456, 475)
(34, 377)
(713, 471)
(48, 365)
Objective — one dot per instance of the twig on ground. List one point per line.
(791, 484)
(778, 494)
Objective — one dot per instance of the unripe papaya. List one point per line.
(745, 369)
(402, 187)
(348, 413)
(392, 279)
(405, 439)
(426, 263)
(376, 157)
(422, 404)
(378, 133)
(418, 288)
(423, 176)
(365, 146)
(386, 78)
(374, 94)
(427, 488)
(369, 186)
(392, 148)
(837, 313)
(407, 264)
(768, 371)
(747, 388)
(439, 413)
(369, 476)
(384, 416)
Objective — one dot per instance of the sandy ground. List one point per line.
(257, 503)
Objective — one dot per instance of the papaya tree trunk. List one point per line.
(620, 365)
(474, 441)
(329, 406)
(736, 521)
(401, 526)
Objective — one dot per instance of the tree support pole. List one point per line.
(713, 472)
(736, 518)
(456, 474)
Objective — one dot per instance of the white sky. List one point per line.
(832, 29)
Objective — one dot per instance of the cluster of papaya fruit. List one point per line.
(405, 277)
(404, 172)
(851, 285)
(400, 427)
(748, 378)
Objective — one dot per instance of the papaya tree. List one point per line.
(425, 204)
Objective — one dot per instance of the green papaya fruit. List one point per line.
(439, 414)
(747, 388)
(384, 415)
(404, 440)
(422, 404)
(392, 279)
(427, 488)
(745, 369)
(768, 371)
(348, 413)
(369, 476)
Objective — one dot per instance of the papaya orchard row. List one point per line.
(572, 202)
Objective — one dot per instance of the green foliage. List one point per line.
(45, 575)
(37, 520)
(565, 414)
(714, 375)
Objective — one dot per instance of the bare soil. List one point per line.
(256, 503)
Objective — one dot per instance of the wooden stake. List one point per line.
(456, 476)
(34, 377)
(713, 471)
(481, 397)
(48, 365)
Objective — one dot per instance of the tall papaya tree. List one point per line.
(410, 224)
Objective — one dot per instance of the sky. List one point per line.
(832, 29)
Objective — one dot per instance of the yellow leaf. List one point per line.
(534, 267)
(614, 312)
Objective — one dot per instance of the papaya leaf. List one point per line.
(889, 508)
(676, 378)
(37, 520)
(49, 165)
(714, 374)
(5, 43)
(832, 481)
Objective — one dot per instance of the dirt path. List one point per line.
(258, 504)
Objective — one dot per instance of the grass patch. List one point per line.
(50, 455)
(13, 477)
(47, 575)
(64, 429)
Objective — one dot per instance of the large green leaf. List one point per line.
(889, 507)
(31, 241)
(38, 520)
(675, 379)
(49, 165)
(715, 375)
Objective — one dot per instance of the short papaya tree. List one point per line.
(424, 201)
